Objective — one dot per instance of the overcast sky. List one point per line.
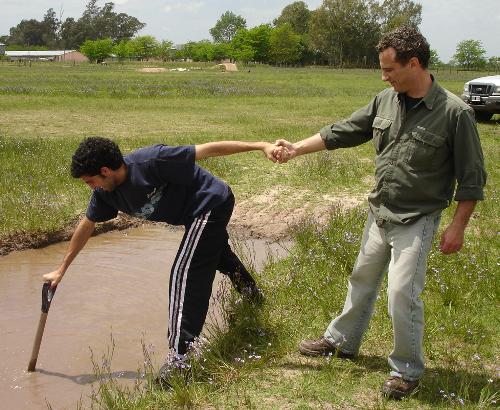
(444, 22)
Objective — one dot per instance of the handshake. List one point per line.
(281, 151)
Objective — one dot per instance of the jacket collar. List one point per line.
(429, 99)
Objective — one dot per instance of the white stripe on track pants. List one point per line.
(203, 249)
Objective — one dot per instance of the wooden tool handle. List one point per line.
(37, 342)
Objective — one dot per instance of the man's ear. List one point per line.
(414, 62)
(105, 171)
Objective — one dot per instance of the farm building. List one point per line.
(53, 55)
(2, 49)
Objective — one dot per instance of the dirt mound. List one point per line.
(228, 67)
(152, 70)
(273, 213)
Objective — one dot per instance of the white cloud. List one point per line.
(120, 2)
(188, 7)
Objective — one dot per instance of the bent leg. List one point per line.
(231, 265)
(192, 277)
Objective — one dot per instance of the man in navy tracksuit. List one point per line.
(164, 183)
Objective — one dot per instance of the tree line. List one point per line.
(341, 33)
(53, 32)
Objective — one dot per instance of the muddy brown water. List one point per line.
(114, 294)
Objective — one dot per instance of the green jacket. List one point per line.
(421, 155)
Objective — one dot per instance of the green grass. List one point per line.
(48, 108)
(254, 362)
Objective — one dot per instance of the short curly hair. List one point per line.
(92, 154)
(408, 42)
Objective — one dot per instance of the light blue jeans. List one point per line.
(400, 250)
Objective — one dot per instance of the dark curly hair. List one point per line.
(408, 42)
(94, 153)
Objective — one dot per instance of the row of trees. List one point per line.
(262, 44)
(96, 23)
(141, 48)
(339, 32)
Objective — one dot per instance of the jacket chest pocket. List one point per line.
(426, 150)
(381, 127)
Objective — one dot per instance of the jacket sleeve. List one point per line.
(468, 159)
(353, 131)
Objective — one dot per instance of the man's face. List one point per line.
(398, 75)
(106, 180)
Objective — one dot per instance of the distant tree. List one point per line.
(494, 63)
(165, 51)
(470, 53)
(126, 26)
(115, 26)
(97, 50)
(395, 13)
(202, 50)
(242, 49)
(434, 61)
(70, 35)
(258, 38)
(226, 27)
(123, 50)
(98, 23)
(222, 51)
(50, 25)
(297, 15)
(94, 24)
(86, 23)
(285, 46)
(37, 33)
(27, 32)
(144, 47)
(345, 31)
(245, 53)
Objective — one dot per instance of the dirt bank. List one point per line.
(38, 239)
(269, 215)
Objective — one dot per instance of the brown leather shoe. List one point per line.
(398, 388)
(322, 347)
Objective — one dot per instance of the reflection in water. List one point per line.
(115, 293)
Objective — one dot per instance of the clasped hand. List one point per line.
(283, 151)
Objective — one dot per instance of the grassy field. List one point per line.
(48, 108)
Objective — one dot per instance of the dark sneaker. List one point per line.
(398, 388)
(245, 285)
(322, 347)
(175, 371)
(253, 294)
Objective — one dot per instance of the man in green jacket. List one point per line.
(427, 149)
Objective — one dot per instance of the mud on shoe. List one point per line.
(322, 347)
(245, 285)
(398, 388)
(253, 294)
(175, 371)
